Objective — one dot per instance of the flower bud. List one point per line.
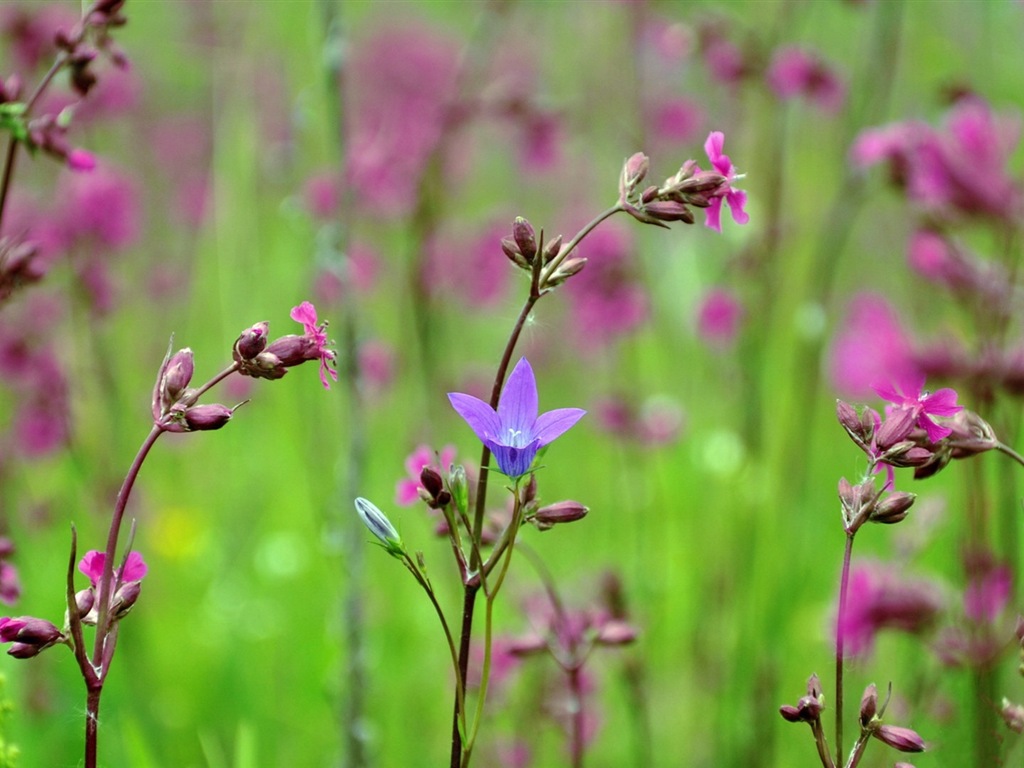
(125, 598)
(893, 508)
(868, 705)
(176, 377)
(509, 247)
(633, 172)
(85, 599)
(565, 270)
(526, 240)
(552, 248)
(897, 426)
(380, 526)
(903, 739)
(559, 512)
(200, 418)
(432, 489)
(669, 210)
(29, 636)
(290, 350)
(458, 484)
(251, 342)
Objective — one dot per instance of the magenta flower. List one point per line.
(736, 198)
(514, 432)
(305, 313)
(907, 393)
(718, 317)
(92, 567)
(795, 72)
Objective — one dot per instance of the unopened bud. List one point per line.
(669, 210)
(903, 739)
(200, 418)
(380, 526)
(893, 508)
(559, 512)
(851, 422)
(526, 240)
(291, 350)
(251, 342)
(565, 270)
(458, 484)
(552, 248)
(176, 377)
(432, 489)
(29, 636)
(85, 599)
(633, 172)
(125, 598)
(868, 705)
(509, 247)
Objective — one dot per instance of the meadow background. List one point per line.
(713, 499)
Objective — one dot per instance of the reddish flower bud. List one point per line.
(29, 635)
(251, 342)
(616, 633)
(560, 512)
(868, 705)
(125, 598)
(633, 172)
(669, 210)
(893, 508)
(565, 270)
(85, 599)
(509, 247)
(903, 739)
(176, 377)
(292, 350)
(200, 418)
(526, 240)
(552, 248)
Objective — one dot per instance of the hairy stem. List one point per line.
(840, 644)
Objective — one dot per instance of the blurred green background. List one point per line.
(727, 538)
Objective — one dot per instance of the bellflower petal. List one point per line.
(553, 423)
(517, 408)
(482, 419)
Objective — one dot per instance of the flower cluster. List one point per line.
(690, 186)
(255, 357)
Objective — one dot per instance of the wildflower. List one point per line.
(736, 198)
(719, 317)
(907, 394)
(514, 432)
(287, 351)
(127, 582)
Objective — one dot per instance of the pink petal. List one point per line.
(942, 402)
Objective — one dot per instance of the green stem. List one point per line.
(840, 644)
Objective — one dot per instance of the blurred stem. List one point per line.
(840, 644)
(986, 741)
(12, 143)
(352, 711)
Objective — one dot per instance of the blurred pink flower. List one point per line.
(540, 141)
(796, 72)
(678, 120)
(471, 268)
(870, 345)
(29, 32)
(606, 298)
(961, 167)
(987, 593)
(322, 192)
(10, 587)
(376, 365)
(407, 489)
(718, 317)
(725, 62)
(658, 420)
(356, 275)
(100, 208)
(403, 83)
(878, 598)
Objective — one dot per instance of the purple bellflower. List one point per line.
(514, 433)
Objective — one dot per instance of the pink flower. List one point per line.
(407, 489)
(718, 317)
(101, 207)
(907, 394)
(92, 564)
(987, 592)
(736, 198)
(878, 598)
(607, 298)
(870, 345)
(795, 72)
(305, 313)
(322, 193)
